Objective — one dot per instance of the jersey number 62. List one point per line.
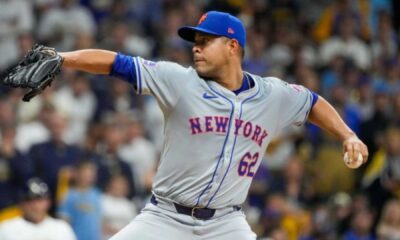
(246, 165)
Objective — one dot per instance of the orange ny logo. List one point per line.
(202, 18)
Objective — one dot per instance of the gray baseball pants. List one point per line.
(163, 222)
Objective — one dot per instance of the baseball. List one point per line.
(353, 163)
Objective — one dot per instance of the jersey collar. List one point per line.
(243, 95)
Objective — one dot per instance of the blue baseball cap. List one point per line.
(218, 24)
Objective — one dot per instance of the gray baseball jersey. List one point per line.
(214, 139)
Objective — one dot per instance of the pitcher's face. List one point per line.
(210, 54)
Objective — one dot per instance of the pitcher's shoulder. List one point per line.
(273, 81)
(270, 82)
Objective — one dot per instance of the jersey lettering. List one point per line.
(247, 129)
(219, 124)
(263, 136)
(238, 124)
(256, 133)
(195, 125)
(209, 127)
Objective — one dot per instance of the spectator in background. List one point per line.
(389, 223)
(341, 210)
(173, 20)
(279, 53)
(122, 99)
(35, 131)
(293, 183)
(284, 11)
(346, 44)
(327, 24)
(360, 201)
(376, 8)
(176, 50)
(255, 60)
(16, 17)
(364, 100)
(331, 75)
(279, 234)
(372, 130)
(35, 224)
(272, 213)
(351, 77)
(307, 77)
(226, 6)
(84, 41)
(313, 12)
(341, 101)
(15, 170)
(280, 213)
(59, 26)
(29, 112)
(192, 10)
(382, 177)
(121, 38)
(100, 9)
(119, 97)
(392, 76)
(139, 153)
(51, 157)
(119, 12)
(396, 110)
(304, 52)
(110, 164)
(384, 44)
(361, 226)
(390, 175)
(81, 206)
(323, 226)
(117, 210)
(7, 111)
(76, 92)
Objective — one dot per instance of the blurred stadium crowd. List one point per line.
(93, 134)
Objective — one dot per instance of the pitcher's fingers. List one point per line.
(349, 149)
(364, 152)
(356, 151)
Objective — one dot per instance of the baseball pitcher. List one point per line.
(218, 123)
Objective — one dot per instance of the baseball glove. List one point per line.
(35, 71)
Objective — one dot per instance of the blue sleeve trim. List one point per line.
(124, 68)
(314, 98)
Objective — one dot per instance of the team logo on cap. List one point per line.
(202, 18)
(230, 31)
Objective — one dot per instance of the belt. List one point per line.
(195, 212)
